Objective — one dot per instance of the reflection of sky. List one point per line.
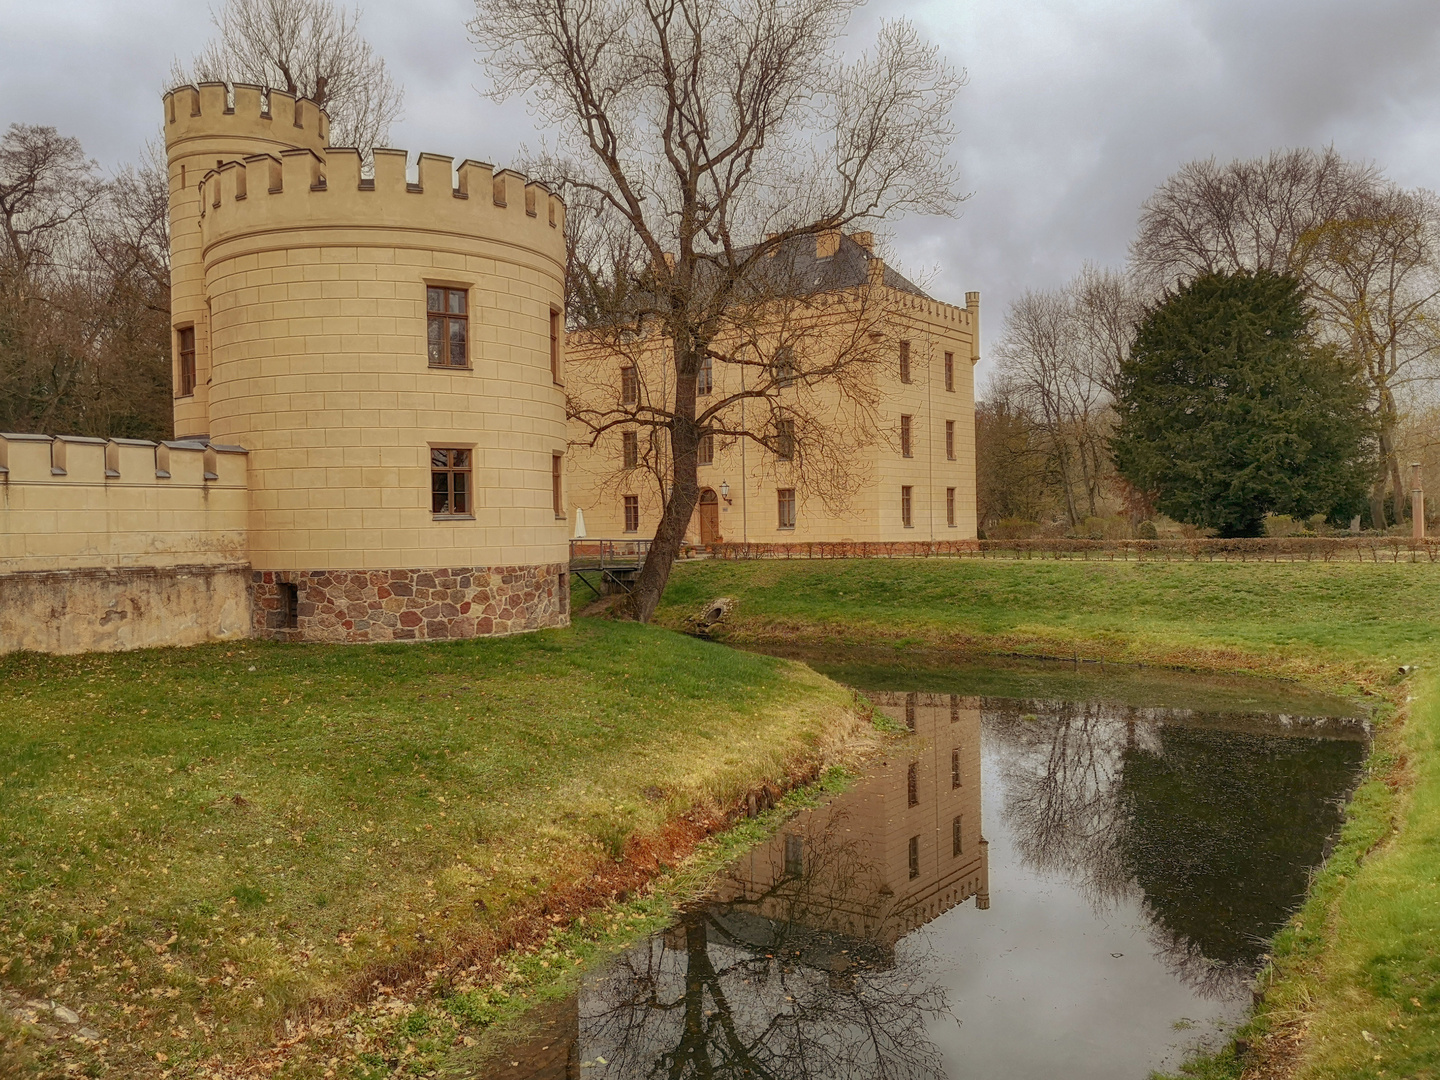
(1034, 986)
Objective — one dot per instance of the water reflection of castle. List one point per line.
(899, 849)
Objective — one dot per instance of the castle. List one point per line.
(892, 417)
(370, 425)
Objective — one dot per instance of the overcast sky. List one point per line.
(1074, 111)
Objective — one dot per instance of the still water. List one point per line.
(1077, 880)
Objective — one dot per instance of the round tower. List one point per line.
(203, 130)
(389, 352)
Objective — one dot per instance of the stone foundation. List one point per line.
(409, 605)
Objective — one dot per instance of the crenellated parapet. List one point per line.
(245, 113)
(82, 460)
(302, 189)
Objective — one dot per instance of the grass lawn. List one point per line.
(208, 852)
(1354, 990)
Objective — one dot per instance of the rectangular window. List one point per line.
(449, 482)
(906, 449)
(783, 366)
(629, 386)
(910, 711)
(905, 517)
(955, 845)
(785, 502)
(632, 513)
(290, 605)
(187, 360)
(914, 857)
(555, 492)
(794, 856)
(950, 371)
(955, 767)
(449, 327)
(630, 449)
(705, 377)
(912, 784)
(950, 440)
(950, 507)
(904, 361)
(785, 440)
(705, 452)
(555, 347)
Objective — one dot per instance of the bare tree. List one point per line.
(697, 140)
(309, 48)
(1247, 215)
(1374, 275)
(84, 291)
(1057, 359)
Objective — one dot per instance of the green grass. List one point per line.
(1349, 611)
(199, 845)
(1354, 987)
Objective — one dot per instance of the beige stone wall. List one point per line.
(598, 484)
(69, 503)
(316, 284)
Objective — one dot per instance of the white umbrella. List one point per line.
(579, 524)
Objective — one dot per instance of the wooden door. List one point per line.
(709, 517)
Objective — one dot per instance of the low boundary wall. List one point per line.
(120, 543)
(1379, 549)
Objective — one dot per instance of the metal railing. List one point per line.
(606, 565)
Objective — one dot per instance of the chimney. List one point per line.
(827, 243)
(866, 240)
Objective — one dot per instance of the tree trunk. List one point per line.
(683, 496)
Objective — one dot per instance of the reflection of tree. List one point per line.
(766, 987)
(1213, 832)
(1226, 826)
(1060, 791)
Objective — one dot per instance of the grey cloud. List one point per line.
(1075, 110)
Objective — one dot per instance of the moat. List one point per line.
(1064, 871)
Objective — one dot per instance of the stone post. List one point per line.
(1417, 503)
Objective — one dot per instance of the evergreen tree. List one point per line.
(1229, 409)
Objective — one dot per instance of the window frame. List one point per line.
(905, 373)
(950, 507)
(785, 499)
(631, 504)
(557, 482)
(950, 372)
(907, 435)
(949, 440)
(705, 376)
(629, 449)
(446, 317)
(912, 785)
(956, 778)
(784, 439)
(782, 367)
(629, 385)
(187, 372)
(914, 857)
(957, 836)
(705, 450)
(557, 335)
(907, 505)
(452, 470)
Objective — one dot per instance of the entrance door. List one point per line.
(709, 517)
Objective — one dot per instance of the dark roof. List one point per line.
(846, 269)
